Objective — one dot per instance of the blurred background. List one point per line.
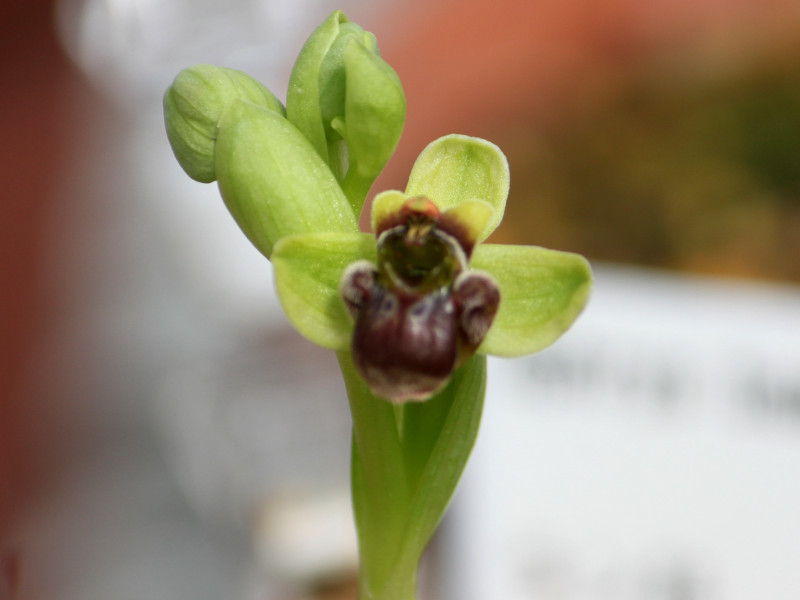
(165, 434)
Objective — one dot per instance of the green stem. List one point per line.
(380, 490)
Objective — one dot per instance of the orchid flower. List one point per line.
(457, 193)
(411, 309)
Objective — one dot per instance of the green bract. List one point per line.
(193, 106)
(272, 181)
(542, 291)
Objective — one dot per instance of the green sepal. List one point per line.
(455, 168)
(541, 293)
(193, 106)
(272, 180)
(308, 268)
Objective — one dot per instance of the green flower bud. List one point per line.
(194, 105)
(333, 73)
(272, 180)
(341, 90)
(373, 118)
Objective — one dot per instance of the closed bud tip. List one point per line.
(193, 107)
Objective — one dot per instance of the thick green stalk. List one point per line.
(380, 488)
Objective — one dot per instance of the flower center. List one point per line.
(416, 257)
(418, 312)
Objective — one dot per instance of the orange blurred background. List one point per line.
(664, 134)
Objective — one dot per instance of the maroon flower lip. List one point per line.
(419, 313)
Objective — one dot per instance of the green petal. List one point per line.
(384, 207)
(541, 293)
(455, 168)
(307, 272)
(273, 181)
(473, 217)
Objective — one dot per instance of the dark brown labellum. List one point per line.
(406, 347)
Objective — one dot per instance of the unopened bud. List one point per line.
(341, 90)
(194, 105)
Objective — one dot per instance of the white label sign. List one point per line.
(652, 454)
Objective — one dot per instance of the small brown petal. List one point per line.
(356, 285)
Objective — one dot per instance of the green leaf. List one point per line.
(193, 106)
(541, 293)
(307, 272)
(405, 471)
(438, 437)
(273, 181)
(455, 168)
